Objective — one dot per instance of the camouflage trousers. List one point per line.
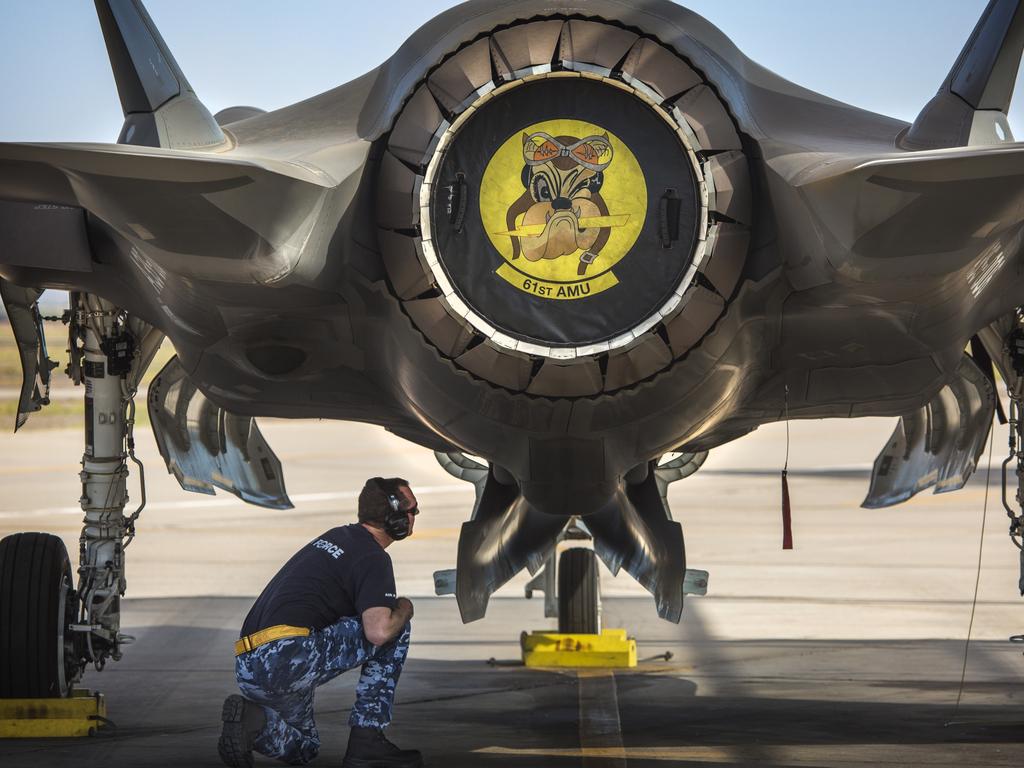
(282, 676)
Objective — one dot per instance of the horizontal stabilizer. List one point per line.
(841, 173)
(959, 206)
(971, 106)
(140, 163)
(160, 107)
(202, 214)
(938, 445)
(204, 446)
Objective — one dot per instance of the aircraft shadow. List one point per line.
(165, 699)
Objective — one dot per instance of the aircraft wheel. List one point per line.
(37, 603)
(578, 592)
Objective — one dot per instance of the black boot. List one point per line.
(243, 721)
(367, 748)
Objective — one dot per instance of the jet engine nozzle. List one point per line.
(553, 199)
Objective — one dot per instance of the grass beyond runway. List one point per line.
(66, 407)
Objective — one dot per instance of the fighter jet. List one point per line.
(570, 247)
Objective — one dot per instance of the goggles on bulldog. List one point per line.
(593, 152)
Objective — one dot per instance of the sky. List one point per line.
(888, 56)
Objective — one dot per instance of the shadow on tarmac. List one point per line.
(768, 703)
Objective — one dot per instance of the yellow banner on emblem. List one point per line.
(547, 290)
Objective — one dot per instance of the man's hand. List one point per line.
(404, 604)
(381, 625)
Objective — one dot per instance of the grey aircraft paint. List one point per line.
(307, 262)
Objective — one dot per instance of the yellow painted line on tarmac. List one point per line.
(621, 755)
(853, 755)
(600, 729)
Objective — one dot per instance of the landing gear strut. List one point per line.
(1016, 454)
(107, 352)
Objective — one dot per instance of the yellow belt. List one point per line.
(264, 636)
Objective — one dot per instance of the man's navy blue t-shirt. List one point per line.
(340, 573)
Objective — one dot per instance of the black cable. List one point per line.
(977, 577)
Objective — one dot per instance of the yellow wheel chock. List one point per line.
(79, 715)
(611, 648)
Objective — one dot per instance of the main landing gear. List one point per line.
(51, 630)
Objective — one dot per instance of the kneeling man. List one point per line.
(331, 607)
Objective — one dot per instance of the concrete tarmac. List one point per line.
(847, 650)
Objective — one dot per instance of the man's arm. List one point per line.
(381, 624)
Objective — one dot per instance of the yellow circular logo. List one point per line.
(562, 201)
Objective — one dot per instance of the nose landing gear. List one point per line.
(572, 590)
(579, 593)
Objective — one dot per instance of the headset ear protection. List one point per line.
(396, 524)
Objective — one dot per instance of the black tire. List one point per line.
(578, 593)
(36, 604)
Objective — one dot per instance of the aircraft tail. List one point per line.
(970, 107)
(160, 107)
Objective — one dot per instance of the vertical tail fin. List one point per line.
(970, 107)
(160, 107)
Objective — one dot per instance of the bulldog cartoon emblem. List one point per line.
(562, 177)
(562, 201)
